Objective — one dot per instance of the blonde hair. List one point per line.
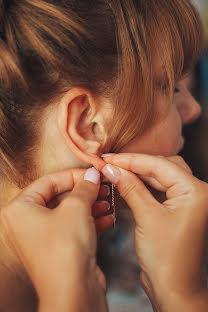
(106, 46)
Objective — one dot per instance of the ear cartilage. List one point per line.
(113, 204)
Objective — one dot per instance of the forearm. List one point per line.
(192, 303)
(81, 293)
(64, 299)
(77, 302)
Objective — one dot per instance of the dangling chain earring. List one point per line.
(113, 204)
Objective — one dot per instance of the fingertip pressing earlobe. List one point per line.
(98, 163)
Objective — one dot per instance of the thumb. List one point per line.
(86, 191)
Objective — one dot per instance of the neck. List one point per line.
(16, 290)
(7, 256)
(8, 192)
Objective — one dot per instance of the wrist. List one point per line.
(84, 294)
(63, 296)
(78, 290)
(181, 302)
(64, 283)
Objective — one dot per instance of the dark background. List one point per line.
(195, 151)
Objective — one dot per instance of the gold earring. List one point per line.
(113, 204)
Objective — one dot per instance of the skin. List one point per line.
(170, 236)
(20, 291)
(69, 141)
(165, 138)
(174, 281)
(63, 255)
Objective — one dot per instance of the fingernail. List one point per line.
(108, 207)
(113, 220)
(92, 175)
(112, 173)
(108, 190)
(107, 155)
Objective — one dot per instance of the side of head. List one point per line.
(90, 64)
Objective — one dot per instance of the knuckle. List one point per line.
(181, 161)
(179, 158)
(145, 282)
(187, 169)
(160, 156)
(176, 159)
(199, 197)
(128, 190)
(49, 177)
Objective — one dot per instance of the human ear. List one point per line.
(81, 125)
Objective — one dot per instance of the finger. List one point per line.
(85, 192)
(153, 183)
(55, 201)
(101, 278)
(100, 208)
(178, 160)
(44, 189)
(104, 191)
(164, 171)
(134, 192)
(104, 223)
(158, 186)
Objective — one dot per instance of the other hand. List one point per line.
(170, 236)
(58, 246)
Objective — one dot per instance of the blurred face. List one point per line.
(165, 137)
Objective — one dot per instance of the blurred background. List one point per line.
(196, 147)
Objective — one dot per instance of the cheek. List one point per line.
(170, 135)
(163, 139)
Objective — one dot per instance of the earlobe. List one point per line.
(76, 117)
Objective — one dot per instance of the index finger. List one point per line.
(44, 189)
(164, 171)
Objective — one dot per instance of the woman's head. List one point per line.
(165, 137)
(80, 78)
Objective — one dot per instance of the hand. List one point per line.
(58, 246)
(170, 237)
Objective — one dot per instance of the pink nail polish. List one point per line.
(108, 190)
(108, 206)
(107, 155)
(111, 173)
(92, 175)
